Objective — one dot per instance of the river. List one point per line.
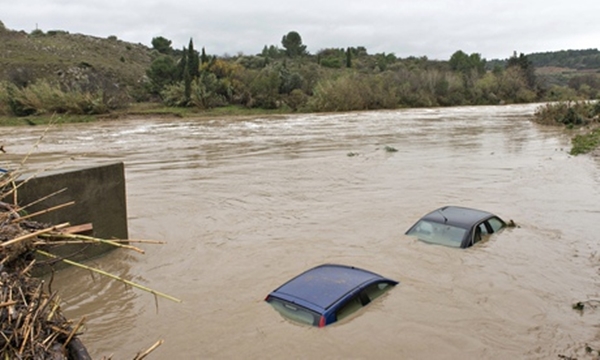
(244, 204)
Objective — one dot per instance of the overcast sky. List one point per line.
(432, 28)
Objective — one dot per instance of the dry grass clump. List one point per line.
(43, 97)
(31, 323)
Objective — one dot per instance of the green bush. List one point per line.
(585, 143)
(296, 100)
(353, 91)
(341, 94)
(569, 113)
(202, 94)
(560, 93)
(332, 62)
(37, 33)
(45, 98)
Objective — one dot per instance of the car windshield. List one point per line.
(437, 233)
(295, 312)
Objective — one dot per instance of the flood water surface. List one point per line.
(244, 204)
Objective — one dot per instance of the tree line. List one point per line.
(288, 77)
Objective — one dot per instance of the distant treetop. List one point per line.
(292, 43)
(162, 45)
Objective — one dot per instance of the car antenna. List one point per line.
(441, 213)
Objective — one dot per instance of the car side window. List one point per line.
(349, 308)
(363, 298)
(376, 290)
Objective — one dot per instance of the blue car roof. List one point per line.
(458, 216)
(321, 287)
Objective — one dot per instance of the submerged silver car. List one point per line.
(456, 226)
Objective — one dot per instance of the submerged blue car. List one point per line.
(327, 293)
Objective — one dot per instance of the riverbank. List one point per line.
(140, 110)
(582, 116)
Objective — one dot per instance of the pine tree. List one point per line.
(203, 57)
(348, 58)
(181, 65)
(193, 61)
(187, 85)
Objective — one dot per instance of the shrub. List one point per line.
(296, 99)
(174, 95)
(44, 98)
(585, 143)
(264, 89)
(332, 62)
(56, 32)
(567, 113)
(202, 95)
(353, 91)
(341, 94)
(37, 33)
(560, 93)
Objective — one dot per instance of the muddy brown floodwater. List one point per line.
(245, 204)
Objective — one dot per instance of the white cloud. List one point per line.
(432, 28)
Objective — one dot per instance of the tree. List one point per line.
(348, 58)
(162, 45)
(193, 61)
(292, 43)
(162, 72)
(461, 62)
(203, 57)
(182, 65)
(187, 85)
(526, 67)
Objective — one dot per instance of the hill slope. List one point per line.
(71, 58)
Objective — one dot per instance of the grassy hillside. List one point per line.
(562, 68)
(71, 58)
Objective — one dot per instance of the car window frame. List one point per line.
(489, 229)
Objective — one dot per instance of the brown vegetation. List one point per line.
(31, 321)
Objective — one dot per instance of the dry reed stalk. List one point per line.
(154, 242)
(147, 352)
(41, 212)
(73, 332)
(101, 272)
(42, 199)
(82, 241)
(8, 303)
(14, 188)
(92, 240)
(33, 234)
